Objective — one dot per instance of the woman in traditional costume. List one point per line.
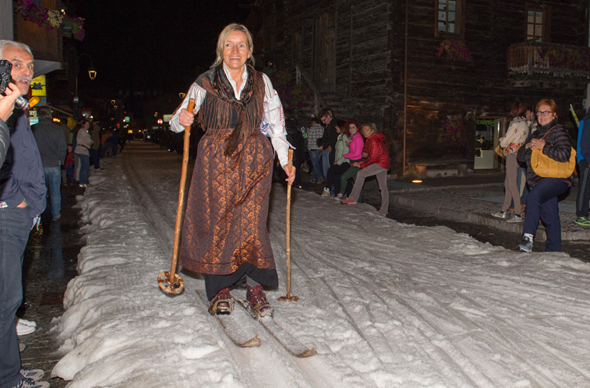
(224, 234)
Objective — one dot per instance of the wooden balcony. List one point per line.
(46, 44)
(546, 64)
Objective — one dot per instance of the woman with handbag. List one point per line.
(551, 144)
(517, 133)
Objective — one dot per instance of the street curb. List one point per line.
(435, 188)
(458, 215)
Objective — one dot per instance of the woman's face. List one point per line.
(366, 131)
(236, 50)
(545, 114)
(530, 115)
(86, 125)
(353, 129)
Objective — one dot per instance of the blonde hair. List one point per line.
(371, 126)
(223, 38)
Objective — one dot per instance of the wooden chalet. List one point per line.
(437, 76)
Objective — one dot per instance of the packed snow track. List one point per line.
(385, 304)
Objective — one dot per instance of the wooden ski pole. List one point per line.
(288, 297)
(170, 282)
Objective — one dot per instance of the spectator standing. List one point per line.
(582, 157)
(111, 144)
(315, 134)
(95, 149)
(340, 164)
(52, 148)
(554, 141)
(328, 140)
(295, 137)
(67, 131)
(516, 134)
(377, 164)
(523, 187)
(67, 138)
(69, 165)
(354, 155)
(22, 200)
(82, 151)
(103, 138)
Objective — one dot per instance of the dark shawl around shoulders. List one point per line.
(222, 110)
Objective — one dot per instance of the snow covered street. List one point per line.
(385, 304)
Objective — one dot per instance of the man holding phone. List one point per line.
(22, 200)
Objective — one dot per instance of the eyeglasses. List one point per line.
(544, 113)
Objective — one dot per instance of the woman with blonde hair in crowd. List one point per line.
(516, 134)
(377, 164)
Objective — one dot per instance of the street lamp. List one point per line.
(91, 74)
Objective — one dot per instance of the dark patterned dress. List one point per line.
(227, 207)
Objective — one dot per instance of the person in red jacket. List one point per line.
(377, 164)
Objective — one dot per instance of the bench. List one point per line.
(421, 168)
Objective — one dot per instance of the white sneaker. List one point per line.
(326, 192)
(33, 374)
(526, 245)
(500, 214)
(23, 329)
(27, 323)
(515, 218)
(28, 383)
(339, 197)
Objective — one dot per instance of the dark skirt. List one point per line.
(227, 207)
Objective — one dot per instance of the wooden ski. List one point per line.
(286, 339)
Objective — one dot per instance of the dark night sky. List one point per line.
(140, 45)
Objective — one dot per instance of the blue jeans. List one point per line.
(84, 167)
(53, 183)
(15, 225)
(542, 203)
(315, 156)
(326, 161)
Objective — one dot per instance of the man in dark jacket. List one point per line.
(329, 139)
(22, 200)
(52, 147)
(583, 157)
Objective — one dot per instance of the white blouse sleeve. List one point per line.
(196, 92)
(273, 122)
